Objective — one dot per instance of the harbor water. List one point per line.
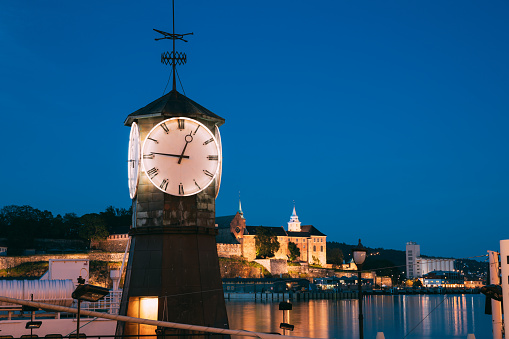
(399, 316)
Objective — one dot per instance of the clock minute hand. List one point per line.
(189, 138)
(171, 155)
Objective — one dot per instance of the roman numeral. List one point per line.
(163, 125)
(196, 130)
(164, 184)
(213, 157)
(152, 172)
(154, 140)
(208, 173)
(208, 141)
(148, 156)
(181, 188)
(197, 184)
(181, 123)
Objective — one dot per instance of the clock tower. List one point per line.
(174, 168)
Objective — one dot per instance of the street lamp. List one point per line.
(89, 293)
(359, 256)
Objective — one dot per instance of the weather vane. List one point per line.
(174, 58)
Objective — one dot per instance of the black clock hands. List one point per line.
(189, 138)
(171, 155)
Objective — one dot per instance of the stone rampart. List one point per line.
(274, 266)
(110, 245)
(229, 250)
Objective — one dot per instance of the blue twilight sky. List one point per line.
(383, 120)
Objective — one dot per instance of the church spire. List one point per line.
(240, 208)
(294, 223)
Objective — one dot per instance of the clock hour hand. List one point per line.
(171, 155)
(189, 138)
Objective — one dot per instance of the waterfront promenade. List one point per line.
(340, 295)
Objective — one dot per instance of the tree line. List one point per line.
(22, 224)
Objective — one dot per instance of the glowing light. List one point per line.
(148, 308)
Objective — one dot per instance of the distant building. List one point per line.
(473, 284)
(276, 285)
(235, 238)
(417, 266)
(445, 279)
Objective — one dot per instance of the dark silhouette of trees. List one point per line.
(22, 224)
(334, 255)
(266, 243)
(93, 226)
(294, 251)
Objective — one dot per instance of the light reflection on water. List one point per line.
(452, 316)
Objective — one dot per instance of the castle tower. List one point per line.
(294, 223)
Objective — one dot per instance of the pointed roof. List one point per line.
(240, 209)
(294, 217)
(171, 105)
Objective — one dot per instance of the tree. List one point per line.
(384, 268)
(92, 227)
(22, 224)
(114, 217)
(266, 243)
(294, 251)
(316, 261)
(334, 256)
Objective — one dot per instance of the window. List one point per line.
(321, 248)
(314, 248)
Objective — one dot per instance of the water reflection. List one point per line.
(416, 316)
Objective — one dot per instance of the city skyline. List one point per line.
(382, 121)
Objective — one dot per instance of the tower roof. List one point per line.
(294, 217)
(174, 104)
(240, 208)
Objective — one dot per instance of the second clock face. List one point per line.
(181, 156)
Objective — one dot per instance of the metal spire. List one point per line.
(240, 207)
(173, 57)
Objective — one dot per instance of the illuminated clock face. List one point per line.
(181, 156)
(218, 176)
(133, 160)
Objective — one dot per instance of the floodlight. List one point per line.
(286, 326)
(89, 292)
(33, 324)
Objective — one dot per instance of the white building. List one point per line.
(418, 266)
(413, 251)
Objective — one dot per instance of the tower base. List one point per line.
(172, 275)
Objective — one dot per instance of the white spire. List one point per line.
(240, 207)
(294, 223)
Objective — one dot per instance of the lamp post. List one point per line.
(89, 293)
(359, 256)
